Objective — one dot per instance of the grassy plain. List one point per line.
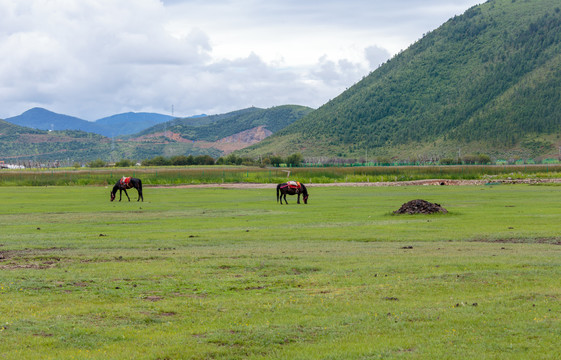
(230, 274)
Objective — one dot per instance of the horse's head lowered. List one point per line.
(114, 191)
(304, 193)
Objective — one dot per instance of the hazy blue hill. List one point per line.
(42, 119)
(111, 126)
(130, 122)
(486, 81)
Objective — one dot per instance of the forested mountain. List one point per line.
(218, 134)
(9, 129)
(216, 127)
(486, 81)
(23, 143)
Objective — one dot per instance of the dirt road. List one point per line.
(429, 182)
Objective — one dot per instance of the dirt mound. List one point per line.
(420, 207)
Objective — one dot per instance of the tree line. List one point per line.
(293, 160)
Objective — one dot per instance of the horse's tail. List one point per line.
(140, 189)
(278, 191)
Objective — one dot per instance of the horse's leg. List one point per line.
(125, 190)
(120, 194)
(298, 201)
(284, 195)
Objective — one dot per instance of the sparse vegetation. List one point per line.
(222, 274)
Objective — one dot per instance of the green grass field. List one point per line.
(230, 274)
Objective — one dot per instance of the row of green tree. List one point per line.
(293, 160)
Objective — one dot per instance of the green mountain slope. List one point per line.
(485, 81)
(18, 143)
(9, 130)
(216, 127)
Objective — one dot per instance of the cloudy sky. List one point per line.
(95, 58)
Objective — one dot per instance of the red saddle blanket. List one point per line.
(125, 181)
(293, 184)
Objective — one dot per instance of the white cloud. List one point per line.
(93, 58)
(376, 56)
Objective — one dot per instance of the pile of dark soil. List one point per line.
(420, 207)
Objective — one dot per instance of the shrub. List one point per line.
(97, 163)
(124, 163)
(447, 161)
(182, 160)
(294, 160)
(275, 160)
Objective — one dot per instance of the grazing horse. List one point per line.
(292, 188)
(127, 183)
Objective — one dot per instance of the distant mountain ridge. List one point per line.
(111, 126)
(43, 119)
(215, 135)
(131, 122)
(222, 133)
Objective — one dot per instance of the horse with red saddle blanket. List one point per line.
(292, 188)
(127, 183)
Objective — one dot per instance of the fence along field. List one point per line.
(230, 274)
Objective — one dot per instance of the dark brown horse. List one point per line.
(127, 183)
(292, 188)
